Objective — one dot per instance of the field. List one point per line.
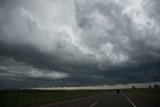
(152, 93)
(21, 98)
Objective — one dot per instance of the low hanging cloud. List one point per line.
(11, 67)
(79, 42)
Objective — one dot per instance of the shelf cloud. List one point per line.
(79, 42)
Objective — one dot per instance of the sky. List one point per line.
(79, 42)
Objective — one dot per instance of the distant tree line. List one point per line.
(155, 86)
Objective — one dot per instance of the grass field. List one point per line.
(21, 98)
(152, 93)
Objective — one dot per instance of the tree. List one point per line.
(133, 87)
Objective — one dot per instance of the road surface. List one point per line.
(111, 99)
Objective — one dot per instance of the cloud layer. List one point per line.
(79, 42)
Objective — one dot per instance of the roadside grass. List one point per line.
(23, 98)
(152, 93)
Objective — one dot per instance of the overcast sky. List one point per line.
(79, 42)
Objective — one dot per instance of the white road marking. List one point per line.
(93, 104)
(129, 100)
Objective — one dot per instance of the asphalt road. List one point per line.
(111, 99)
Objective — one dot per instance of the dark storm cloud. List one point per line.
(152, 9)
(92, 42)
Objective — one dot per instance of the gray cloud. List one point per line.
(78, 42)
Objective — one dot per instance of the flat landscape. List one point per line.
(144, 97)
(21, 98)
(79, 53)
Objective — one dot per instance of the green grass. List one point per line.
(21, 98)
(153, 93)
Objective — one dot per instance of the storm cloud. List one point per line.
(79, 42)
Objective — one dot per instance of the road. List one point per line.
(111, 99)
